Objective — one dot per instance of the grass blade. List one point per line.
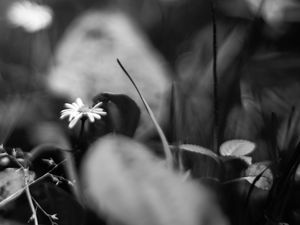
(215, 80)
(167, 151)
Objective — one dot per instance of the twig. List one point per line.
(73, 177)
(69, 167)
(28, 194)
(50, 217)
(9, 198)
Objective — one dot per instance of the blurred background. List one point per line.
(53, 51)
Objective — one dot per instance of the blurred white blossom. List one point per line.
(78, 110)
(29, 15)
(276, 11)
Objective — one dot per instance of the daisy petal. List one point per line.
(97, 105)
(75, 120)
(71, 117)
(63, 116)
(67, 110)
(79, 102)
(68, 113)
(95, 115)
(76, 105)
(98, 110)
(91, 117)
(103, 113)
(70, 106)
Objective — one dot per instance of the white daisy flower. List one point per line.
(78, 110)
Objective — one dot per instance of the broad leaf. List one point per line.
(85, 62)
(123, 113)
(128, 184)
(265, 181)
(237, 148)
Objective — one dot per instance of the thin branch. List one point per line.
(73, 177)
(28, 194)
(50, 217)
(12, 196)
(69, 167)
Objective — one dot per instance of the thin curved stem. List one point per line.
(167, 151)
(215, 79)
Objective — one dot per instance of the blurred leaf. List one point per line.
(48, 133)
(275, 12)
(297, 175)
(128, 184)
(9, 222)
(196, 86)
(235, 8)
(84, 62)
(288, 131)
(12, 184)
(11, 112)
(124, 116)
(233, 167)
(295, 216)
(265, 181)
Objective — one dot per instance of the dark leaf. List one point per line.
(233, 167)
(201, 162)
(123, 114)
(235, 193)
(53, 200)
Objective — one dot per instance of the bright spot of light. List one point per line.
(29, 15)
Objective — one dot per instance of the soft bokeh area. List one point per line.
(149, 112)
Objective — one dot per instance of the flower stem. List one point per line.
(80, 135)
(81, 129)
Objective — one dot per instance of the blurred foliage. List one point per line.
(164, 41)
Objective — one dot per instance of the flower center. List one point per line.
(84, 109)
